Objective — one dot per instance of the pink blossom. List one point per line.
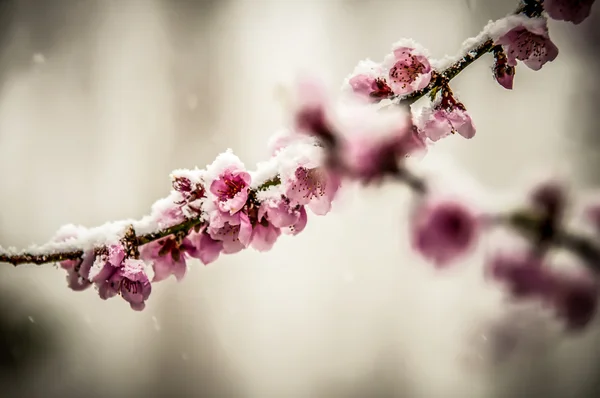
(299, 225)
(369, 158)
(231, 190)
(446, 116)
(312, 113)
(171, 216)
(78, 271)
(189, 190)
(313, 187)
(443, 122)
(443, 230)
(281, 214)
(106, 261)
(69, 264)
(131, 282)
(205, 248)
(264, 235)
(529, 43)
(105, 265)
(413, 143)
(276, 215)
(408, 70)
(234, 231)
(569, 10)
(574, 297)
(503, 72)
(523, 273)
(576, 300)
(368, 82)
(167, 256)
(505, 75)
(373, 88)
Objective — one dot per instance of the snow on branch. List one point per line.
(367, 137)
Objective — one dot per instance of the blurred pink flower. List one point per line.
(443, 230)
(204, 247)
(314, 187)
(575, 11)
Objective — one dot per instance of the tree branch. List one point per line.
(522, 222)
(450, 72)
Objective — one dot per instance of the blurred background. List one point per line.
(101, 99)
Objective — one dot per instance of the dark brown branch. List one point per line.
(183, 227)
(26, 258)
(529, 225)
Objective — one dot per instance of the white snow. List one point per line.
(355, 119)
(410, 43)
(467, 46)
(496, 29)
(493, 30)
(221, 163)
(97, 266)
(264, 172)
(365, 67)
(195, 175)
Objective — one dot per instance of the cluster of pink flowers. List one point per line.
(234, 213)
(405, 71)
(233, 208)
(530, 274)
(525, 39)
(445, 229)
(408, 68)
(112, 272)
(360, 142)
(522, 39)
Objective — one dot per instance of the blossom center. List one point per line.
(528, 45)
(406, 72)
(381, 89)
(231, 187)
(310, 182)
(131, 286)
